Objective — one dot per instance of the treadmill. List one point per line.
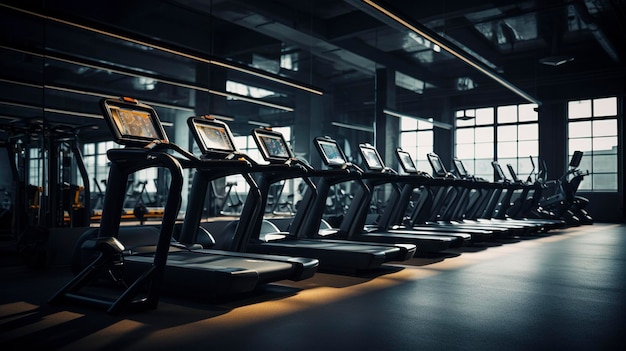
(353, 225)
(265, 238)
(455, 199)
(439, 199)
(141, 261)
(402, 189)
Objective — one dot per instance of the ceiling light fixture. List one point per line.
(441, 42)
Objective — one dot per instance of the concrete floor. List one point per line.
(565, 290)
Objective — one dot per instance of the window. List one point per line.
(416, 138)
(475, 140)
(508, 134)
(592, 129)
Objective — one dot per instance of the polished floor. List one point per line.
(562, 291)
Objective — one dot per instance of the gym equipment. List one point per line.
(334, 255)
(559, 195)
(142, 260)
(354, 226)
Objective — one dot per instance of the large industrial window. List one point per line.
(592, 129)
(508, 134)
(475, 140)
(416, 138)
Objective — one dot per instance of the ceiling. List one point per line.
(505, 51)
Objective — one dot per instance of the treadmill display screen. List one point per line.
(438, 167)
(460, 167)
(132, 123)
(371, 157)
(213, 137)
(331, 153)
(272, 145)
(406, 161)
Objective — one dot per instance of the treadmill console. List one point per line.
(500, 177)
(439, 170)
(460, 168)
(406, 161)
(513, 174)
(213, 137)
(372, 159)
(272, 145)
(331, 153)
(132, 123)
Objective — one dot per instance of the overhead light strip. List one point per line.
(188, 86)
(452, 51)
(175, 52)
(353, 126)
(425, 120)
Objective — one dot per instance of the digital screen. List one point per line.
(274, 146)
(331, 153)
(407, 162)
(371, 158)
(134, 123)
(460, 167)
(435, 162)
(214, 137)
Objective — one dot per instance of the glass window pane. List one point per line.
(408, 123)
(484, 134)
(579, 129)
(524, 167)
(484, 150)
(465, 151)
(484, 115)
(89, 149)
(527, 113)
(425, 139)
(408, 140)
(465, 135)
(528, 132)
(507, 133)
(507, 114)
(604, 163)
(580, 145)
(606, 143)
(604, 181)
(605, 107)
(527, 148)
(579, 109)
(507, 149)
(421, 125)
(607, 127)
(484, 168)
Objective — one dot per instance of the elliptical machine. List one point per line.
(559, 195)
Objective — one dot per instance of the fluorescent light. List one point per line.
(353, 126)
(425, 120)
(447, 46)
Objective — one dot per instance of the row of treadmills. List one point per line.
(122, 268)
